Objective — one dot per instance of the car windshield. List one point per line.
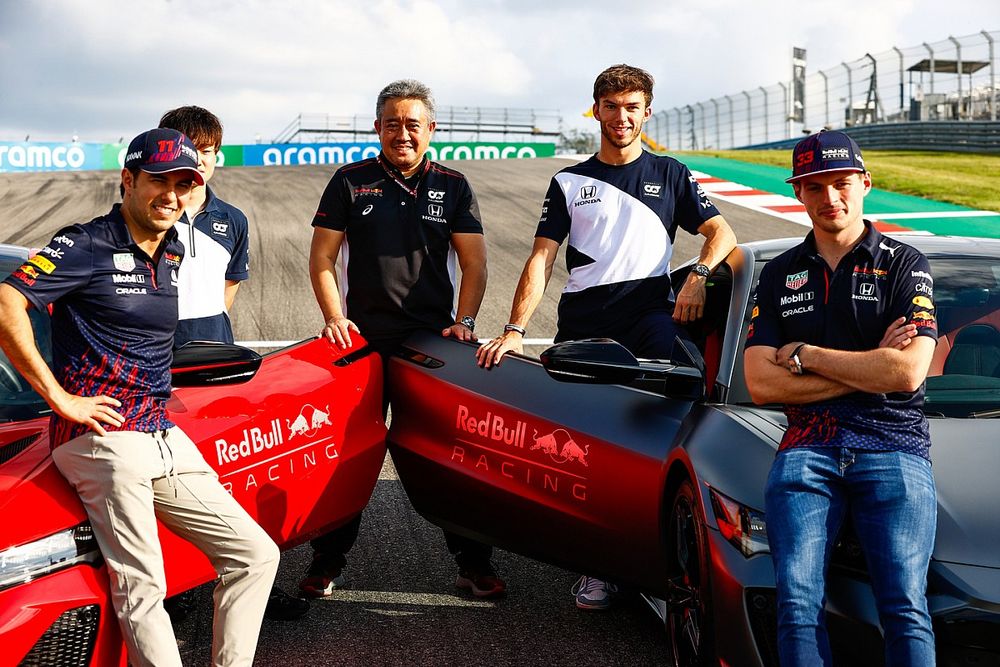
(18, 400)
(964, 377)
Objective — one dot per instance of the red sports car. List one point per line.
(297, 436)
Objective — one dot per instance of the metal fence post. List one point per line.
(701, 111)
(718, 143)
(958, 69)
(849, 116)
(732, 123)
(764, 90)
(749, 133)
(993, 78)
(680, 128)
(826, 98)
(902, 108)
(788, 114)
(930, 51)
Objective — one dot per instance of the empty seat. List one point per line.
(975, 351)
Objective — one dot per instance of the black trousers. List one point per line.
(331, 548)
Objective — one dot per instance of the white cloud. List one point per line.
(103, 70)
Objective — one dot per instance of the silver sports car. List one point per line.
(651, 474)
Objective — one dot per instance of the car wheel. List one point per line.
(689, 618)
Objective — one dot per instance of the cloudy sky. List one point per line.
(104, 69)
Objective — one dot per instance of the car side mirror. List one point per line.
(603, 361)
(207, 364)
(591, 361)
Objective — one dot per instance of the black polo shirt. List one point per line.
(397, 264)
(114, 311)
(800, 299)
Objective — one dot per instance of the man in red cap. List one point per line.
(112, 284)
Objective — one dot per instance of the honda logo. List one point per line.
(435, 210)
(588, 192)
(867, 289)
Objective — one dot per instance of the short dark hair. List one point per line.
(200, 125)
(623, 79)
(407, 89)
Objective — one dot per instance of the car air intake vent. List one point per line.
(7, 452)
(69, 642)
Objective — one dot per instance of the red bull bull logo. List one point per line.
(561, 447)
(309, 421)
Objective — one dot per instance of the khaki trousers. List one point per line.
(126, 481)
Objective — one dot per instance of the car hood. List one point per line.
(966, 457)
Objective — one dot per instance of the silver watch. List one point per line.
(469, 322)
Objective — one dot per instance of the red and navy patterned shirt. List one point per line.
(114, 311)
(800, 299)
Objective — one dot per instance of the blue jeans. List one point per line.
(893, 504)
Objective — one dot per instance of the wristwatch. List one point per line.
(514, 327)
(701, 270)
(469, 322)
(794, 363)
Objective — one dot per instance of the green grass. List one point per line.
(966, 179)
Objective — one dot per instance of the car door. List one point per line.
(300, 445)
(571, 474)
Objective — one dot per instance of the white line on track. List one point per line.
(404, 599)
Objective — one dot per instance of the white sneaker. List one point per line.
(592, 593)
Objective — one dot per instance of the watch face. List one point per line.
(702, 270)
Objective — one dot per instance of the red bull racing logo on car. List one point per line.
(560, 447)
(284, 448)
(557, 447)
(309, 421)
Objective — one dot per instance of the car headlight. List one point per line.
(743, 527)
(57, 551)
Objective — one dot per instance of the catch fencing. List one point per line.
(458, 124)
(953, 80)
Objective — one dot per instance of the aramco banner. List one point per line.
(51, 156)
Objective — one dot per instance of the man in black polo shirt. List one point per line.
(386, 237)
(842, 333)
(112, 283)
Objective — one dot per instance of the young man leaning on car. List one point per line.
(857, 440)
(620, 209)
(112, 286)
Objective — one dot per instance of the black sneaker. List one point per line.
(482, 581)
(321, 581)
(283, 607)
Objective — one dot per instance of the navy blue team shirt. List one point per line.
(114, 310)
(800, 299)
(621, 221)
